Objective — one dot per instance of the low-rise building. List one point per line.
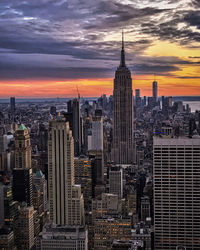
(108, 228)
(55, 237)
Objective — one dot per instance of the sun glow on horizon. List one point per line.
(96, 87)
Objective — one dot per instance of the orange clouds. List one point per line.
(56, 88)
(96, 87)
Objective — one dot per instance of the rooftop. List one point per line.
(22, 127)
(39, 173)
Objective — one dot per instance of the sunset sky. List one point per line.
(48, 48)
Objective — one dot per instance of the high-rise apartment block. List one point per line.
(176, 193)
(123, 131)
(65, 199)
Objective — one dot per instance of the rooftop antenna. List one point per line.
(122, 38)
(78, 92)
(122, 62)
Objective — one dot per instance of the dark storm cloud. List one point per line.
(85, 49)
(193, 18)
(25, 72)
(196, 3)
(170, 31)
(116, 15)
(151, 69)
(14, 70)
(77, 29)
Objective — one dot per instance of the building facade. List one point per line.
(155, 91)
(75, 122)
(62, 237)
(22, 148)
(176, 193)
(12, 104)
(108, 229)
(123, 130)
(116, 181)
(65, 199)
(22, 173)
(95, 140)
(25, 228)
(83, 177)
(7, 239)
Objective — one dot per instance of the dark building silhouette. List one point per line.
(138, 100)
(22, 173)
(12, 104)
(43, 137)
(75, 122)
(53, 110)
(8, 207)
(97, 169)
(22, 186)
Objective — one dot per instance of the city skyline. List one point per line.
(48, 48)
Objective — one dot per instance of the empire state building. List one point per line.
(123, 135)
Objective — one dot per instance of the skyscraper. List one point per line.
(22, 148)
(155, 91)
(97, 170)
(40, 182)
(123, 134)
(83, 177)
(137, 99)
(75, 122)
(12, 104)
(95, 141)
(176, 193)
(65, 199)
(22, 173)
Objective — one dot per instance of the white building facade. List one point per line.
(176, 193)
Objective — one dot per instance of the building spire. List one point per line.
(122, 62)
(122, 39)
